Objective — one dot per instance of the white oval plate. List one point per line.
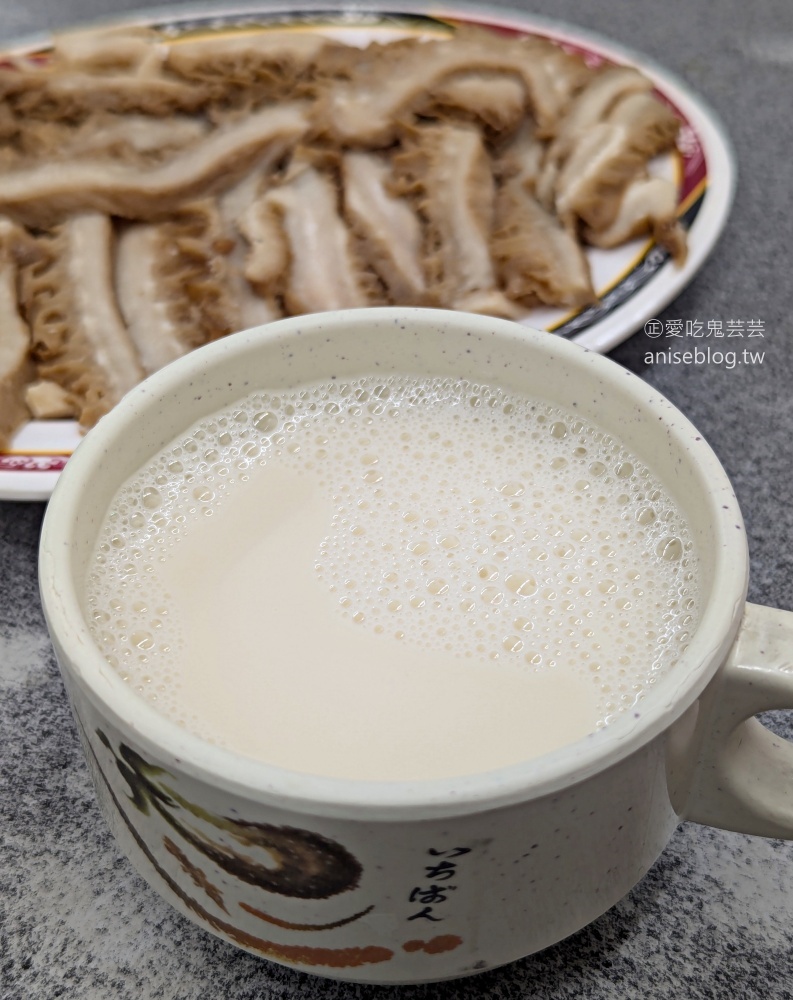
(634, 282)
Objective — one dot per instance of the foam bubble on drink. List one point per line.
(462, 518)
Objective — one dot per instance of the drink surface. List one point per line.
(393, 578)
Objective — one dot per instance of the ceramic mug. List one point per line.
(353, 879)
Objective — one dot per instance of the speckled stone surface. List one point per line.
(714, 917)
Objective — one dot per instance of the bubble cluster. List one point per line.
(462, 518)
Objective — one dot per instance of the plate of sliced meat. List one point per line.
(169, 180)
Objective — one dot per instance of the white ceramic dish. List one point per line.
(635, 282)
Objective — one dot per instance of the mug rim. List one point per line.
(426, 798)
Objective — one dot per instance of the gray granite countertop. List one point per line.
(714, 917)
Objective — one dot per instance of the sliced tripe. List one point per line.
(16, 366)
(146, 312)
(123, 135)
(41, 196)
(590, 105)
(593, 159)
(649, 204)
(237, 199)
(73, 95)
(78, 334)
(447, 169)
(109, 49)
(538, 260)
(389, 81)
(652, 126)
(386, 225)
(255, 309)
(172, 280)
(323, 272)
(131, 139)
(522, 156)
(49, 401)
(118, 69)
(591, 181)
(267, 259)
(497, 100)
(246, 57)
(558, 75)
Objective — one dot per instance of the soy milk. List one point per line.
(393, 578)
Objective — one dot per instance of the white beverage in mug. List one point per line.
(393, 578)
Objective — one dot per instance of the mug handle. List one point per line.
(744, 781)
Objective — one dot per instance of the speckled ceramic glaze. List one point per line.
(418, 881)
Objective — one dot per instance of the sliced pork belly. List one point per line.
(78, 335)
(41, 196)
(447, 170)
(538, 260)
(386, 225)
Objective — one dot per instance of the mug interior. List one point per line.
(291, 352)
